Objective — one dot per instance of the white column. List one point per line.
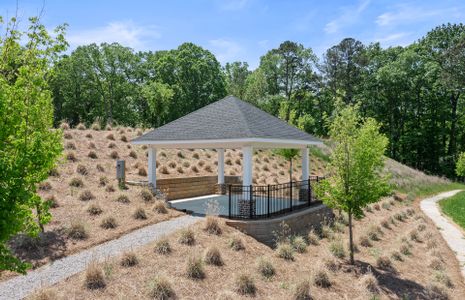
(247, 153)
(220, 165)
(152, 174)
(305, 166)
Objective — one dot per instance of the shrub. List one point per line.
(95, 126)
(338, 227)
(312, 238)
(142, 171)
(405, 250)
(162, 246)
(110, 136)
(236, 243)
(129, 259)
(114, 154)
(94, 209)
(110, 188)
(160, 207)
(123, 199)
(146, 195)
(81, 169)
(186, 237)
(370, 283)
(213, 257)
(94, 277)
(265, 268)
(100, 168)
(245, 285)
(384, 262)
(71, 156)
(124, 139)
(436, 292)
(133, 154)
(337, 249)
(326, 232)
(321, 278)
(76, 182)
(81, 126)
(45, 186)
(299, 244)
(67, 135)
(92, 154)
(64, 125)
(70, 145)
(52, 201)
(108, 223)
(212, 225)
(194, 268)
(86, 195)
(285, 250)
(139, 214)
(302, 290)
(77, 230)
(161, 289)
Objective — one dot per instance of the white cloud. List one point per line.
(350, 15)
(398, 39)
(233, 4)
(126, 33)
(226, 50)
(406, 13)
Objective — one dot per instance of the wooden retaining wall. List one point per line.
(299, 222)
(186, 187)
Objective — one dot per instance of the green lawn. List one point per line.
(454, 207)
(423, 191)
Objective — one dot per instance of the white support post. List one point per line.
(247, 153)
(305, 165)
(152, 174)
(220, 165)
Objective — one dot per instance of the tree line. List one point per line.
(416, 92)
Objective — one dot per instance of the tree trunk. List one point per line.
(351, 239)
(453, 124)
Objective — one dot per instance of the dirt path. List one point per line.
(22, 286)
(449, 231)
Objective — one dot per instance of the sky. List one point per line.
(239, 30)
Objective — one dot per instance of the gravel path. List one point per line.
(22, 286)
(453, 235)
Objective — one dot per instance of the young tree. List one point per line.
(355, 168)
(29, 147)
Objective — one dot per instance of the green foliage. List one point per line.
(356, 163)
(460, 165)
(29, 148)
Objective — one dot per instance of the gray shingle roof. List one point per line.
(228, 118)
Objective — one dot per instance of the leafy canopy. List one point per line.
(29, 147)
(460, 165)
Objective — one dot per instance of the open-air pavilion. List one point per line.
(231, 123)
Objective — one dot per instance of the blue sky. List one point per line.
(240, 29)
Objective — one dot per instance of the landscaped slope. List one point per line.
(400, 255)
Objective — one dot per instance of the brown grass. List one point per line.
(212, 225)
(95, 278)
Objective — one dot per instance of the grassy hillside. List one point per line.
(400, 255)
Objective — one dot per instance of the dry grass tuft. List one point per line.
(212, 225)
(67, 135)
(81, 126)
(114, 154)
(337, 249)
(70, 146)
(436, 292)
(436, 264)
(212, 256)
(45, 294)
(108, 223)
(299, 244)
(162, 246)
(146, 195)
(313, 238)
(124, 139)
(186, 237)
(160, 289)
(92, 154)
(194, 169)
(195, 155)
(52, 201)
(370, 283)
(76, 182)
(164, 170)
(139, 214)
(81, 169)
(265, 268)
(245, 285)
(194, 268)
(160, 207)
(285, 251)
(236, 243)
(111, 137)
(129, 259)
(384, 262)
(320, 278)
(142, 171)
(64, 125)
(77, 230)
(45, 186)
(71, 156)
(100, 168)
(94, 209)
(111, 145)
(95, 126)
(208, 168)
(405, 250)
(133, 154)
(396, 256)
(123, 199)
(95, 278)
(86, 195)
(103, 181)
(302, 290)
(421, 227)
(414, 236)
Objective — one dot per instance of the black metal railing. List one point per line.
(265, 201)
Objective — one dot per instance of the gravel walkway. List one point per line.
(22, 286)
(453, 235)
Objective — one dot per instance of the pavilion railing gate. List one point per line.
(265, 201)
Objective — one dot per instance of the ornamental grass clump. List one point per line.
(129, 259)
(160, 207)
(302, 290)
(186, 237)
(265, 268)
(94, 209)
(194, 268)
(285, 251)
(162, 246)
(212, 225)
(299, 244)
(140, 214)
(86, 195)
(236, 243)
(146, 195)
(95, 278)
(321, 278)
(337, 249)
(313, 238)
(212, 256)
(142, 171)
(77, 230)
(244, 285)
(109, 223)
(160, 289)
